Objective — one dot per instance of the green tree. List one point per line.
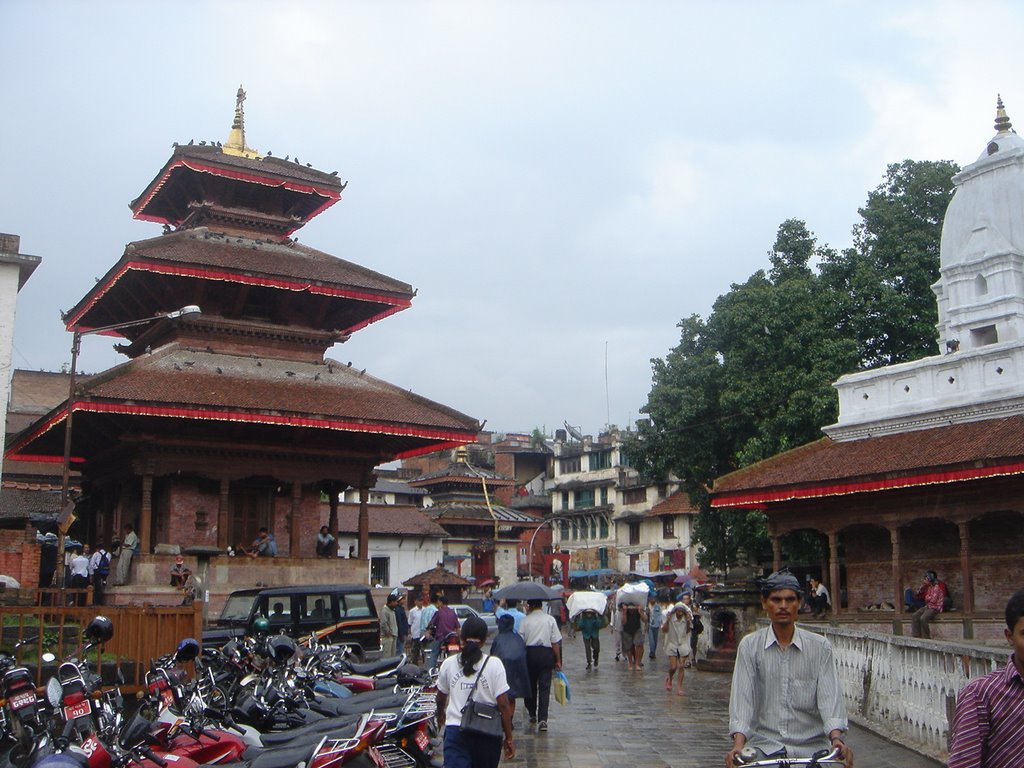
(755, 378)
(881, 287)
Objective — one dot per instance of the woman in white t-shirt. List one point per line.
(455, 681)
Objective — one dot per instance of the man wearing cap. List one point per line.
(786, 700)
(178, 572)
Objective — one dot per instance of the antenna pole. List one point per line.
(607, 401)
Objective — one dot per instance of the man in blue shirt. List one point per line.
(512, 609)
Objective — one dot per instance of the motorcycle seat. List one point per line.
(316, 730)
(360, 704)
(374, 667)
(279, 757)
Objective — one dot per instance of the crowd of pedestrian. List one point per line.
(530, 648)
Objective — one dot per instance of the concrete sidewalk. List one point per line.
(623, 719)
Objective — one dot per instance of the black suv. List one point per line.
(347, 609)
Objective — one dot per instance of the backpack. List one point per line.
(103, 566)
(698, 625)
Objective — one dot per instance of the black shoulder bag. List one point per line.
(479, 718)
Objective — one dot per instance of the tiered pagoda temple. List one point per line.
(492, 537)
(232, 419)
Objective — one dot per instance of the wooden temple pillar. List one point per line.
(146, 513)
(333, 489)
(294, 529)
(897, 569)
(364, 518)
(776, 549)
(223, 515)
(833, 572)
(966, 573)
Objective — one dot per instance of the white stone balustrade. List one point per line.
(905, 688)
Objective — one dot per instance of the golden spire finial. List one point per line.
(1003, 124)
(235, 145)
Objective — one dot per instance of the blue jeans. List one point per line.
(468, 750)
(433, 652)
(652, 636)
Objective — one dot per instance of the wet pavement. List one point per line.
(623, 719)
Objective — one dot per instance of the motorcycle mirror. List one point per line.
(54, 692)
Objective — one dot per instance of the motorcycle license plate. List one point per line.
(422, 740)
(82, 708)
(22, 700)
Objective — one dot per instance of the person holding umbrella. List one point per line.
(543, 656)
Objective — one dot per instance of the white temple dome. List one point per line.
(983, 218)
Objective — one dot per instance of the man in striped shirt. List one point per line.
(785, 700)
(988, 727)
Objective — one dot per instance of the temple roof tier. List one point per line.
(235, 277)
(179, 392)
(266, 194)
(952, 453)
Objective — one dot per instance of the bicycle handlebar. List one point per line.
(823, 758)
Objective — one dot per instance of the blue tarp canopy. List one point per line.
(592, 573)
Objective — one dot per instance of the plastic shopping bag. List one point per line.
(560, 683)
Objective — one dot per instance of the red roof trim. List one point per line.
(762, 497)
(449, 437)
(397, 304)
(332, 196)
(432, 448)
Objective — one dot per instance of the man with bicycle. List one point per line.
(786, 700)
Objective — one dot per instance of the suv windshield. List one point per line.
(237, 609)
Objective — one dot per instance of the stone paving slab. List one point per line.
(623, 719)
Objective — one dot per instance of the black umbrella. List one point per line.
(525, 590)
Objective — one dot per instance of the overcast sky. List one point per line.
(561, 181)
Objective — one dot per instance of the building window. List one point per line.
(634, 495)
(600, 460)
(593, 528)
(565, 530)
(565, 499)
(604, 496)
(603, 523)
(584, 498)
(668, 527)
(602, 557)
(634, 533)
(566, 466)
(380, 570)
(575, 531)
(981, 337)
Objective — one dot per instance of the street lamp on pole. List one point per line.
(586, 540)
(76, 344)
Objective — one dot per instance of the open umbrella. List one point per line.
(526, 590)
(486, 583)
